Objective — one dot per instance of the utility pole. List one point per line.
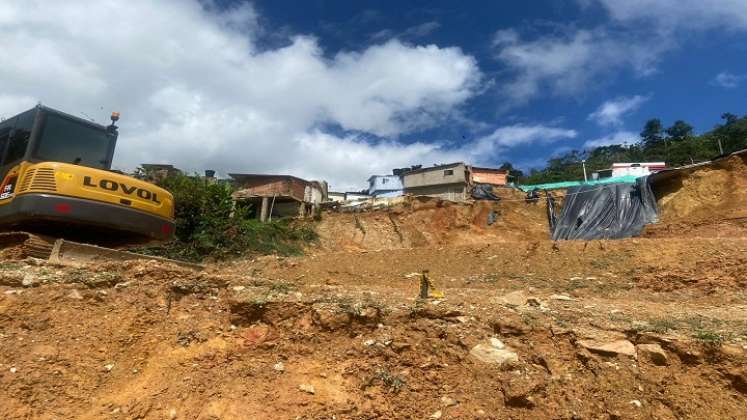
(720, 147)
(583, 164)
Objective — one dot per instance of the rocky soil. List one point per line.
(641, 328)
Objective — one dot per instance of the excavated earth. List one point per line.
(518, 327)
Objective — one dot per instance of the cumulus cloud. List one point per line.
(611, 112)
(572, 62)
(619, 137)
(728, 80)
(196, 89)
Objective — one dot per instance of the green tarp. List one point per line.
(629, 179)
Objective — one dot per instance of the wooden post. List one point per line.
(265, 207)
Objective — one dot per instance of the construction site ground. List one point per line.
(518, 326)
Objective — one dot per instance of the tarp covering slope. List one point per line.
(607, 211)
(484, 192)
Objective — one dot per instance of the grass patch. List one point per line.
(709, 336)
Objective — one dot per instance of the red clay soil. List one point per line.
(422, 222)
(342, 335)
(706, 201)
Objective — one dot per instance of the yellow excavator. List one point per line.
(57, 186)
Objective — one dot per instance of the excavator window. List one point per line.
(70, 141)
(19, 138)
(4, 138)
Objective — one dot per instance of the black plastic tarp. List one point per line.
(484, 192)
(605, 211)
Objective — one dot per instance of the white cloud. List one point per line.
(687, 14)
(611, 112)
(573, 62)
(728, 80)
(195, 88)
(620, 137)
(507, 137)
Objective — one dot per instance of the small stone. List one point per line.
(655, 353)
(636, 403)
(75, 294)
(463, 319)
(516, 298)
(369, 343)
(448, 401)
(487, 353)
(307, 388)
(624, 347)
(13, 370)
(172, 413)
(238, 288)
(497, 343)
(436, 415)
(561, 297)
(109, 367)
(28, 281)
(279, 366)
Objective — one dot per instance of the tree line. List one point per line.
(676, 145)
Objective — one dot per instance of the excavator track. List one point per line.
(64, 252)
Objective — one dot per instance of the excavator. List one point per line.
(59, 197)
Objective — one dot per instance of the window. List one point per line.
(384, 180)
(448, 172)
(70, 141)
(20, 135)
(4, 137)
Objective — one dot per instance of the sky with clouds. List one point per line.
(340, 90)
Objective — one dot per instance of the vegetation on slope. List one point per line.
(208, 225)
(676, 145)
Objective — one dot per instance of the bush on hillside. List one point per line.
(207, 225)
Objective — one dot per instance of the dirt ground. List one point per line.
(518, 327)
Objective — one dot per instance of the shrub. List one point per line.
(208, 225)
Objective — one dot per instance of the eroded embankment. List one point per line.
(422, 222)
(704, 201)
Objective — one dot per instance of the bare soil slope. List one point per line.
(424, 221)
(706, 201)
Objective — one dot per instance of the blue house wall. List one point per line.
(389, 185)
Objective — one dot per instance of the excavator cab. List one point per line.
(56, 170)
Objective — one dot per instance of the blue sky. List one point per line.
(682, 82)
(341, 90)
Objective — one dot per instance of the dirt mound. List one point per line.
(423, 221)
(704, 201)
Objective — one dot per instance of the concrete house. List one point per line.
(338, 197)
(279, 195)
(449, 182)
(385, 186)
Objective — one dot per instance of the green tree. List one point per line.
(514, 173)
(729, 118)
(652, 134)
(679, 131)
